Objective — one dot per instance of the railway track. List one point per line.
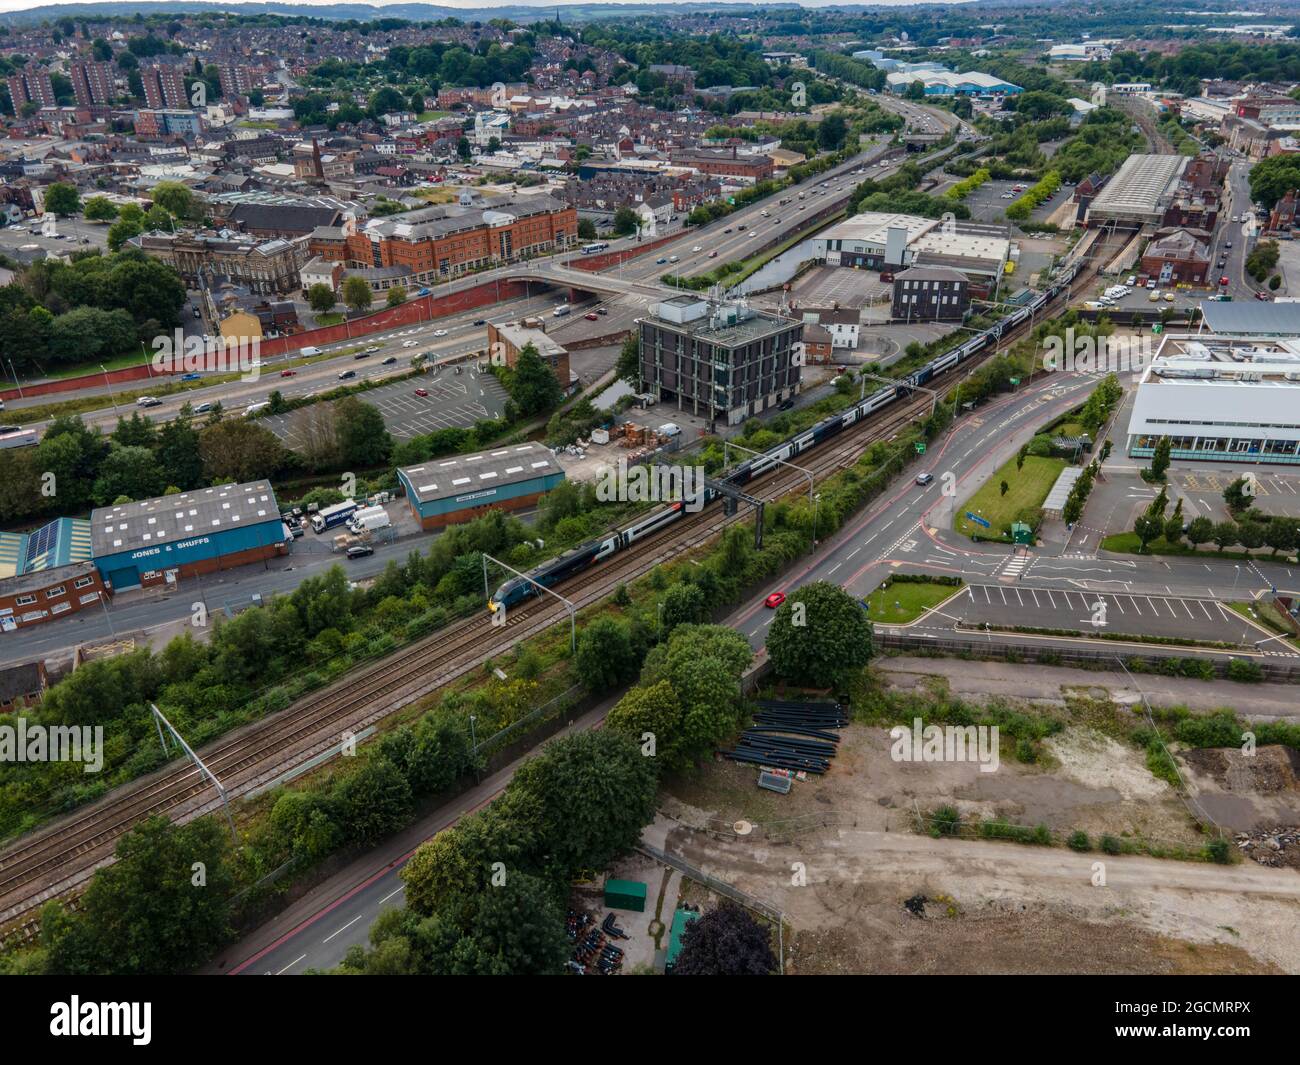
(57, 860)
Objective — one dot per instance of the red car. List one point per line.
(288, 373)
(1224, 281)
(593, 317)
(774, 600)
(1262, 296)
(421, 391)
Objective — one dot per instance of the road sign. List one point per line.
(977, 520)
(920, 447)
(1156, 328)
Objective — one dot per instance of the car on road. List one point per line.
(440, 332)
(592, 316)
(1262, 296)
(389, 361)
(1224, 280)
(480, 321)
(1227, 244)
(602, 310)
(696, 249)
(774, 600)
(191, 376)
(360, 551)
(786, 405)
(364, 354)
(660, 261)
(148, 401)
(372, 349)
(347, 375)
(924, 478)
(204, 408)
(408, 343)
(713, 255)
(288, 373)
(422, 392)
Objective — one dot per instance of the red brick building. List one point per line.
(449, 239)
(751, 168)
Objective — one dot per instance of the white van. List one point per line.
(309, 351)
(253, 408)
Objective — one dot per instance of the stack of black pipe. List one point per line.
(791, 735)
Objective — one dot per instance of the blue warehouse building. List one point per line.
(461, 487)
(208, 529)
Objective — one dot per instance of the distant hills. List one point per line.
(581, 12)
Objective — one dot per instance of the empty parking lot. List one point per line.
(453, 400)
(1135, 614)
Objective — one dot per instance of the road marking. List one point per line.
(343, 929)
(391, 894)
(291, 964)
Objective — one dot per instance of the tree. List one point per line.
(374, 801)
(321, 297)
(1250, 534)
(174, 198)
(464, 149)
(1148, 528)
(605, 656)
(363, 439)
(516, 929)
(357, 293)
(726, 941)
(593, 793)
(1272, 178)
(831, 132)
(533, 385)
(1173, 532)
(653, 709)
(238, 449)
(128, 471)
(683, 604)
(1002, 488)
(625, 221)
(62, 199)
(629, 361)
(162, 907)
(1199, 531)
(99, 209)
(1239, 495)
(586, 229)
(396, 296)
(1160, 460)
(820, 636)
(1225, 534)
(1282, 534)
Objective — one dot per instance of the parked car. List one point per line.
(421, 391)
(774, 600)
(786, 405)
(191, 376)
(288, 373)
(1262, 296)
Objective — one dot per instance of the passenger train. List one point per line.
(517, 589)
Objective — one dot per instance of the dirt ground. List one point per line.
(839, 856)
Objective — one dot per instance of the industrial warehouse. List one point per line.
(457, 489)
(156, 540)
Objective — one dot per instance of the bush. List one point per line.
(1245, 671)
(1110, 845)
(1219, 851)
(945, 821)
(1079, 841)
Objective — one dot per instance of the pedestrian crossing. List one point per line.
(1015, 567)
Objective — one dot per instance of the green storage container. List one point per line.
(625, 895)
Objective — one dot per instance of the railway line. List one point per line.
(58, 859)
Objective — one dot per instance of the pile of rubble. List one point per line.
(1275, 847)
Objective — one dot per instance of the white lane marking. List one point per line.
(390, 895)
(291, 964)
(344, 928)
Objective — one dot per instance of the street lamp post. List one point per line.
(109, 384)
(817, 501)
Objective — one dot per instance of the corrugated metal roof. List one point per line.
(465, 474)
(179, 517)
(1252, 318)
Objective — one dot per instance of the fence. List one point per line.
(721, 887)
(983, 647)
